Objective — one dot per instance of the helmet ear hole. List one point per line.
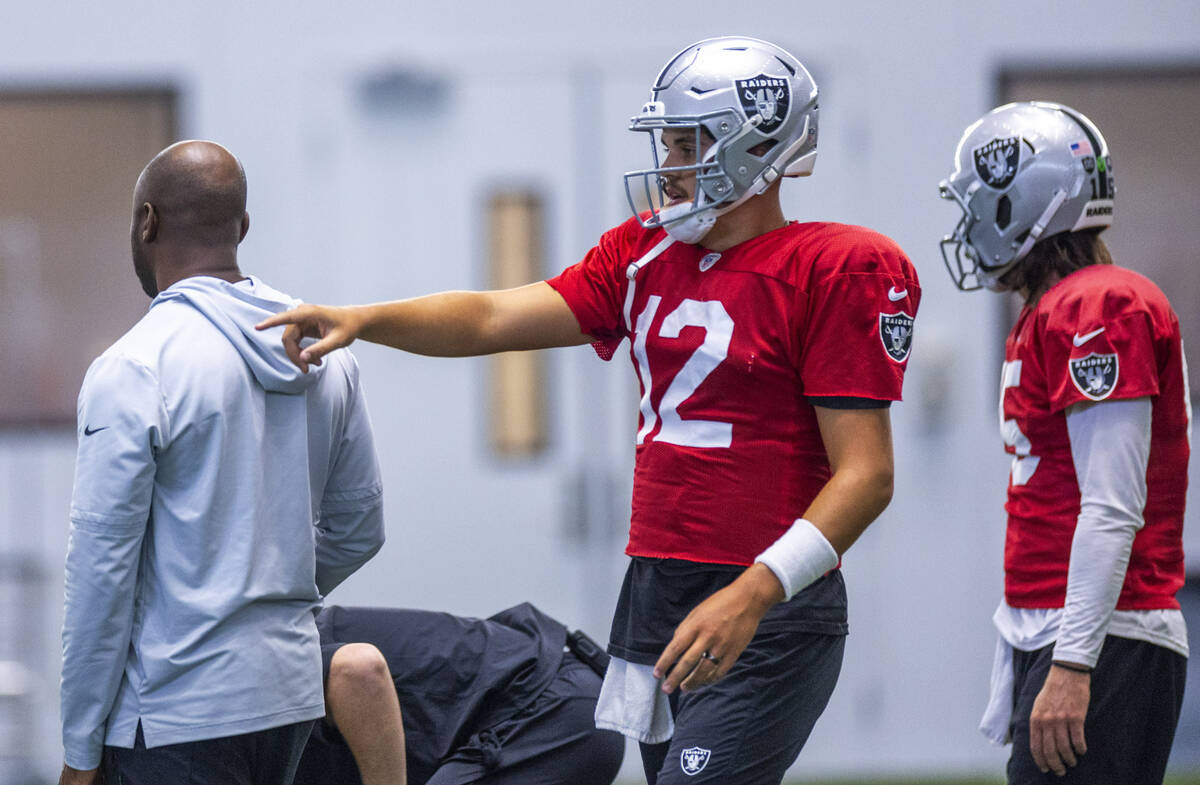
(761, 149)
(1003, 212)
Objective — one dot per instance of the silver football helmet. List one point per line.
(1023, 172)
(759, 105)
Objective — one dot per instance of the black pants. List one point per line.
(266, 757)
(749, 727)
(1136, 695)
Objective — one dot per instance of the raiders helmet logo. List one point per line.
(769, 97)
(895, 330)
(1095, 375)
(693, 760)
(996, 162)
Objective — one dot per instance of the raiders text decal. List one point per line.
(996, 162)
(1095, 375)
(895, 330)
(769, 97)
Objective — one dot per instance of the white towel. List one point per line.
(632, 704)
(997, 717)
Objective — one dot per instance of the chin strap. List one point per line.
(1043, 221)
(634, 267)
(799, 168)
(690, 229)
(631, 273)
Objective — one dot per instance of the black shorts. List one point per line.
(553, 741)
(749, 727)
(1136, 695)
(266, 757)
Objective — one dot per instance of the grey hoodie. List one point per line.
(219, 493)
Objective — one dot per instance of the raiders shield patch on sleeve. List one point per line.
(1095, 375)
(895, 330)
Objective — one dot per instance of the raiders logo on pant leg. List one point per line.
(693, 760)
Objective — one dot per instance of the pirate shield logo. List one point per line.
(1095, 375)
(766, 96)
(895, 330)
(693, 760)
(996, 162)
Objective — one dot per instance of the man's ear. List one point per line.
(148, 223)
(245, 226)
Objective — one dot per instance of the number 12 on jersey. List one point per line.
(711, 316)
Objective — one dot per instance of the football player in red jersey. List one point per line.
(1095, 411)
(768, 353)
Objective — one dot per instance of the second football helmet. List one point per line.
(759, 105)
(1023, 172)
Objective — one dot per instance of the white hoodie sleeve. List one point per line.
(1110, 446)
(122, 422)
(350, 529)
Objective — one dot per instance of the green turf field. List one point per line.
(1183, 780)
(1190, 779)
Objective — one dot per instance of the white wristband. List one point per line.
(799, 557)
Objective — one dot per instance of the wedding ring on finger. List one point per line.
(707, 655)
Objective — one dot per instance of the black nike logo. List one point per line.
(88, 431)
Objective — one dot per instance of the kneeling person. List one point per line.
(455, 700)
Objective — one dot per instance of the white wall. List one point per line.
(352, 203)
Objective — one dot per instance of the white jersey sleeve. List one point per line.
(1110, 447)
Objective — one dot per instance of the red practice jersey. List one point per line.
(1102, 333)
(728, 347)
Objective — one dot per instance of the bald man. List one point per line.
(209, 473)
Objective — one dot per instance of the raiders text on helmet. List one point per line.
(755, 100)
(1023, 172)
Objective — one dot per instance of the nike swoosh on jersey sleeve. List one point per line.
(1080, 340)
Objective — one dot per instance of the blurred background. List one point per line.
(398, 148)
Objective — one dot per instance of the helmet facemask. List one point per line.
(962, 261)
(711, 187)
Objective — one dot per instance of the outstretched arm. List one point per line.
(448, 324)
(859, 445)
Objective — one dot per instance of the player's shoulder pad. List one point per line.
(1099, 294)
(848, 249)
